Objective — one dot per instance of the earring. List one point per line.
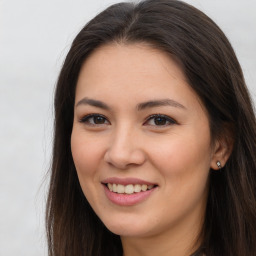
(219, 164)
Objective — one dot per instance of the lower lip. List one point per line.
(127, 199)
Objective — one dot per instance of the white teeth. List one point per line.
(114, 188)
(144, 187)
(137, 188)
(110, 187)
(128, 189)
(120, 189)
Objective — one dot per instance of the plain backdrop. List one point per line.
(34, 39)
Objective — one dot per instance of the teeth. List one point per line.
(128, 189)
(110, 187)
(120, 189)
(114, 188)
(144, 187)
(150, 186)
(137, 188)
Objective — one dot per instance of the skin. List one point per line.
(127, 142)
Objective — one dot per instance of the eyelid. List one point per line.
(168, 119)
(85, 119)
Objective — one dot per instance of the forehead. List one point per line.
(134, 69)
(134, 57)
(132, 53)
(126, 59)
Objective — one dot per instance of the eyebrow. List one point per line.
(92, 102)
(141, 106)
(159, 103)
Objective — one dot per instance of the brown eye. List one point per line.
(94, 119)
(160, 120)
(99, 120)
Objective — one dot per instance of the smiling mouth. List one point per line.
(128, 189)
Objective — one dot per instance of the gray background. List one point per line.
(34, 39)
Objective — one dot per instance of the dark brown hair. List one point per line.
(212, 69)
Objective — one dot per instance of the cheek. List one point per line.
(183, 158)
(86, 155)
(85, 151)
(184, 167)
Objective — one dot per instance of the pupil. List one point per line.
(99, 120)
(160, 121)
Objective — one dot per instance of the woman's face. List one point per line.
(141, 142)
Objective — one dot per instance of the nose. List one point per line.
(125, 150)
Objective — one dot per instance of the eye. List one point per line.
(94, 119)
(160, 120)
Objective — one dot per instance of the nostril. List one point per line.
(124, 158)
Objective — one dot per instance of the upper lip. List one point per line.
(126, 181)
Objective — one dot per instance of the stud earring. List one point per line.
(219, 164)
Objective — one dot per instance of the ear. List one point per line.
(221, 152)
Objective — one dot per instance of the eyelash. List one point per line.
(86, 119)
(166, 119)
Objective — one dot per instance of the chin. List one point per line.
(128, 232)
(129, 229)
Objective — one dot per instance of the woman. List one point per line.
(154, 139)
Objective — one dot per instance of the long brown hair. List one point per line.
(213, 71)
